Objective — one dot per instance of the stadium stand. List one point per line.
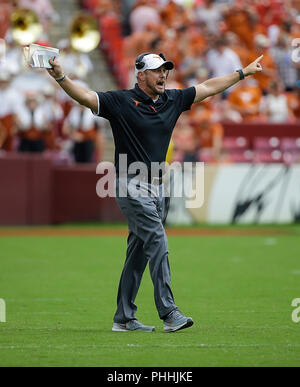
(189, 34)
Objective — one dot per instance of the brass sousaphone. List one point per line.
(25, 25)
(85, 35)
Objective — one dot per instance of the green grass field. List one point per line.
(60, 296)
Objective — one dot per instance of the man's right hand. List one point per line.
(56, 71)
(74, 90)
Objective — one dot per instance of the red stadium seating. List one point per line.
(268, 156)
(240, 156)
(291, 150)
(235, 143)
(111, 42)
(288, 143)
(266, 143)
(205, 155)
(291, 157)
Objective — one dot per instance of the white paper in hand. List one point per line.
(38, 56)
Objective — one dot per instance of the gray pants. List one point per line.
(147, 242)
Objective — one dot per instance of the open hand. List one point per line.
(56, 71)
(254, 67)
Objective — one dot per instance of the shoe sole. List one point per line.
(120, 330)
(187, 324)
(129, 330)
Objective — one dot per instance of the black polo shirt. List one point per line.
(142, 128)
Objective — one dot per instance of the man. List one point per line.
(221, 59)
(32, 125)
(81, 126)
(10, 101)
(261, 46)
(246, 99)
(142, 121)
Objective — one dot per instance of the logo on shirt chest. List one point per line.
(137, 103)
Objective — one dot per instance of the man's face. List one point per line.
(155, 80)
(3, 85)
(31, 103)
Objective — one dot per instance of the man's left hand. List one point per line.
(254, 67)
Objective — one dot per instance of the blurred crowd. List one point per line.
(210, 38)
(36, 116)
(204, 38)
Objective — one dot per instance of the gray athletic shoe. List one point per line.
(132, 325)
(176, 321)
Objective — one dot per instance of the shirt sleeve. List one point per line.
(108, 104)
(184, 98)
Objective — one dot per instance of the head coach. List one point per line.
(142, 121)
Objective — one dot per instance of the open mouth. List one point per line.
(161, 84)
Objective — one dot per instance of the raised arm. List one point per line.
(83, 96)
(218, 85)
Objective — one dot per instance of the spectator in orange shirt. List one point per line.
(246, 98)
(140, 41)
(185, 141)
(209, 134)
(174, 15)
(170, 45)
(293, 99)
(264, 79)
(240, 20)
